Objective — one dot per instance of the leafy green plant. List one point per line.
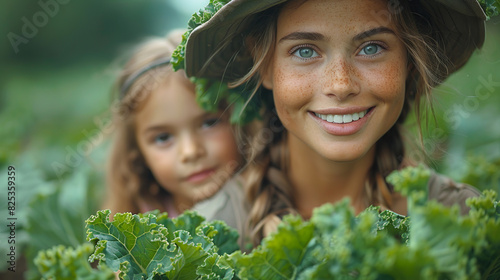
(491, 7)
(434, 242)
(481, 172)
(67, 263)
(209, 93)
(48, 212)
(151, 245)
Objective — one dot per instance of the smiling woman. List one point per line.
(343, 76)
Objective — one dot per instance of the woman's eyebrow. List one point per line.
(313, 36)
(372, 32)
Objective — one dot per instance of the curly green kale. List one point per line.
(434, 242)
(66, 263)
(151, 245)
(202, 16)
(490, 7)
(245, 105)
(481, 172)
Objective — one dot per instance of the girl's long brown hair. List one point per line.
(130, 183)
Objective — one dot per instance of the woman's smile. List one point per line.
(344, 118)
(342, 124)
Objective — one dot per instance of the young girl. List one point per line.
(167, 152)
(343, 75)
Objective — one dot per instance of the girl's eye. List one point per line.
(371, 49)
(162, 138)
(210, 122)
(305, 52)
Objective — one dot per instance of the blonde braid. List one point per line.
(266, 183)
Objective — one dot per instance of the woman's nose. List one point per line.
(340, 79)
(191, 148)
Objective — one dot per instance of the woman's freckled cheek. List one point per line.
(391, 80)
(291, 92)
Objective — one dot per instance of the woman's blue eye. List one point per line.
(305, 52)
(162, 138)
(370, 49)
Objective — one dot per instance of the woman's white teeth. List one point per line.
(342, 118)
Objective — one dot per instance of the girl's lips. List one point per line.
(336, 127)
(200, 176)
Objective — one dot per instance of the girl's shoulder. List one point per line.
(228, 204)
(448, 192)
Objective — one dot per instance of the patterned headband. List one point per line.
(132, 78)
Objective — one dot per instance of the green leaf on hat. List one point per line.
(209, 93)
(490, 7)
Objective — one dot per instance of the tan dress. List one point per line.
(228, 205)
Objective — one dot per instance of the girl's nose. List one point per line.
(339, 80)
(191, 148)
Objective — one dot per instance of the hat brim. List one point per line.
(214, 44)
(461, 27)
(223, 28)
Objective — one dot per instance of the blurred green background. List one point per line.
(58, 62)
(54, 84)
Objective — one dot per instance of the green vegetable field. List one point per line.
(55, 114)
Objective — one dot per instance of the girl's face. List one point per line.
(338, 75)
(190, 152)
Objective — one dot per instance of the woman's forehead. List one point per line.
(343, 15)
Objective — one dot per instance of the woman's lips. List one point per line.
(200, 176)
(342, 123)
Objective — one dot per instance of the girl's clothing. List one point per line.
(145, 205)
(230, 206)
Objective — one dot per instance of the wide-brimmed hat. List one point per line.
(212, 47)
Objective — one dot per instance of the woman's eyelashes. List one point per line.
(372, 49)
(304, 52)
(369, 49)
